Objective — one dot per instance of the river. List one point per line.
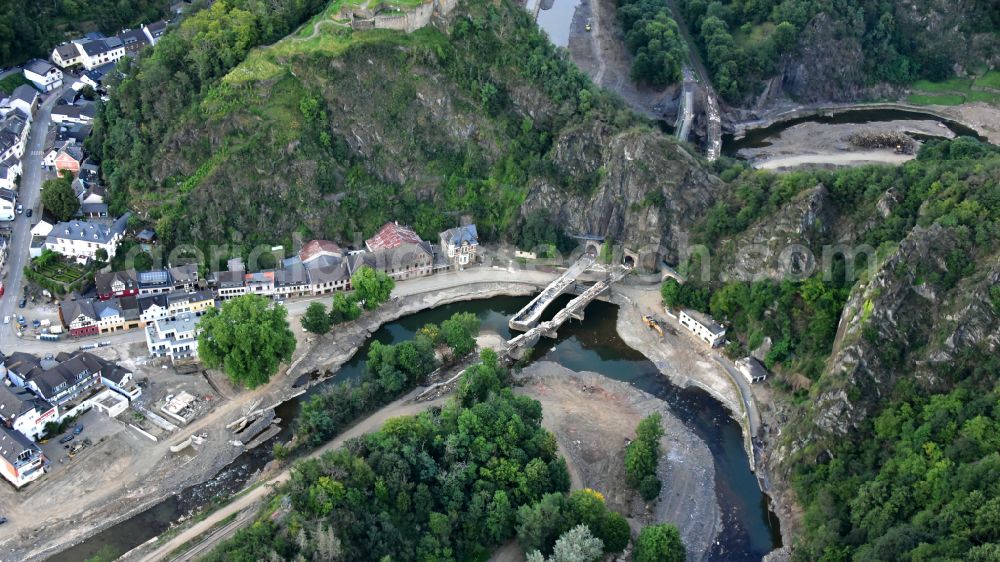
(758, 138)
(750, 530)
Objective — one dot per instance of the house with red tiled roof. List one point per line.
(316, 249)
(390, 236)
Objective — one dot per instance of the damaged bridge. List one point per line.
(574, 309)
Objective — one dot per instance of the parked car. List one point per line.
(23, 302)
(20, 208)
(36, 323)
(28, 213)
(78, 429)
(3, 520)
(6, 319)
(66, 438)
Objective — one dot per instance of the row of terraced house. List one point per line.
(128, 299)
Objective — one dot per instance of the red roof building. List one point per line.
(392, 235)
(319, 248)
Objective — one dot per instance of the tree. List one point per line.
(459, 332)
(345, 308)
(659, 543)
(575, 545)
(316, 319)
(101, 255)
(642, 455)
(247, 338)
(372, 287)
(58, 197)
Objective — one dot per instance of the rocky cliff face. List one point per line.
(649, 190)
(899, 322)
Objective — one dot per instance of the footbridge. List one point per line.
(528, 317)
(574, 309)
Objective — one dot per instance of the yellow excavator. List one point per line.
(652, 323)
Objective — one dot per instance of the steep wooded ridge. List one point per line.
(817, 50)
(886, 377)
(331, 132)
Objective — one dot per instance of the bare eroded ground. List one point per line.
(593, 418)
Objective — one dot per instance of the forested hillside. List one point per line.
(840, 50)
(885, 360)
(31, 28)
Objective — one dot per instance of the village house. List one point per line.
(68, 159)
(82, 239)
(78, 316)
(43, 75)
(260, 282)
(117, 378)
(83, 114)
(10, 170)
(14, 130)
(292, 280)
(22, 410)
(702, 326)
(25, 99)
(155, 282)
(460, 244)
(152, 308)
(116, 284)
(154, 31)
(23, 461)
(66, 382)
(403, 261)
(95, 78)
(133, 41)
(751, 369)
(327, 275)
(76, 132)
(66, 55)
(190, 302)
(8, 203)
(49, 160)
(185, 276)
(228, 284)
(91, 52)
(175, 338)
(391, 235)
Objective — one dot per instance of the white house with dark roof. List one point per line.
(155, 282)
(66, 55)
(10, 170)
(702, 326)
(98, 52)
(133, 40)
(155, 31)
(176, 338)
(25, 99)
(82, 114)
(8, 202)
(82, 239)
(43, 75)
(22, 410)
(21, 461)
(14, 130)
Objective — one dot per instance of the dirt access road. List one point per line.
(602, 54)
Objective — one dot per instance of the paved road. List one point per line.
(29, 195)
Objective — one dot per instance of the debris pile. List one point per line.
(896, 140)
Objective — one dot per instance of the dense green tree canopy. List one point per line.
(371, 287)
(642, 456)
(316, 319)
(659, 543)
(247, 338)
(58, 197)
